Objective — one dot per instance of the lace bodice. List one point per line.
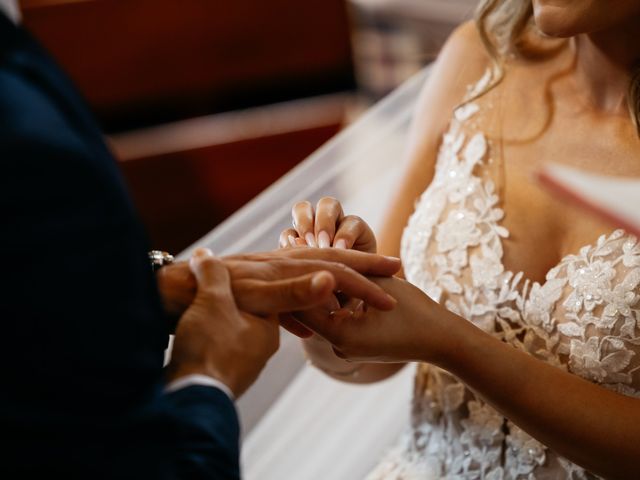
(583, 318)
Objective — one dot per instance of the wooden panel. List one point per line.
(142, 62)
(181, 196)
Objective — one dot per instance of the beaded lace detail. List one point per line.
(583, 318)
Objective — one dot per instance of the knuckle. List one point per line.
(208, 297)
(355, 219)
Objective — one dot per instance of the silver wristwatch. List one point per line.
(159, 259)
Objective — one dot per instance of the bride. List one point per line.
(528, 334)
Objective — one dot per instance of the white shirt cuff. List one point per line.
(198, 379)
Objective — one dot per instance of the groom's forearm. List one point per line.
(592, 426)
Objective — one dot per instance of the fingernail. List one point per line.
(342, 243)
(395, 259)
(292, 241)
(311, 240)
(323, 240)
(203, 252)
(392, 300)
(341, 314)
(319, 283)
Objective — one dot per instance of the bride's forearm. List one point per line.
(590, 425)
(321, 355)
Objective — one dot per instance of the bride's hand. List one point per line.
(327, 226)
(417, 329)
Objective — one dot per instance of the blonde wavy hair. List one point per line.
(504, 26)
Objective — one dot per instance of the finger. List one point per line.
(355, 285)
(212, 277)
(347, 280)
(177, 286)
(284, 240)
(354, 232)
(296, 293)
(289, 323)
(328, 214)
(362, 262)
(303, 219)
(331, 304)
(328, 325)
(354, 305)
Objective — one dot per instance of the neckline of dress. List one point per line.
(468, 110)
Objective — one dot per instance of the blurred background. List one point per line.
(208, 102)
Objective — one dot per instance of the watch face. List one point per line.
(159, 259)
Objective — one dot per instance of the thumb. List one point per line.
(214, 282)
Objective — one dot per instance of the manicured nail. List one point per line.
(311, 240)
(292, 241)
(342, 243)
(323, 240)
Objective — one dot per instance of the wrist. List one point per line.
(461, 346)
(176, 372)
(442, 336)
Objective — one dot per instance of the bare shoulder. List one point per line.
(465, 48)
(462, 62)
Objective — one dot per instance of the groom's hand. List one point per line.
(281, 281)
(216, 339)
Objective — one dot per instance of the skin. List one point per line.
(228, 326)
(232, 349)
(584, 85)
(276, 282)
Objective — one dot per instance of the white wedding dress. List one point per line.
(583, 319)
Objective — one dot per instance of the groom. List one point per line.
(84, 325)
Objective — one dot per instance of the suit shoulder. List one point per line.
(27, 113)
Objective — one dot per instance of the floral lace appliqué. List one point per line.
(583, 318)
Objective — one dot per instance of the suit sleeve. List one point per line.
(78, 298)
(208, 433)
(81, 318)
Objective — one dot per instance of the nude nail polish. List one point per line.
(342, 243)
(311, 239)
(323, 240)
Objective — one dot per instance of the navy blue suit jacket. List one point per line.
(83, 331)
